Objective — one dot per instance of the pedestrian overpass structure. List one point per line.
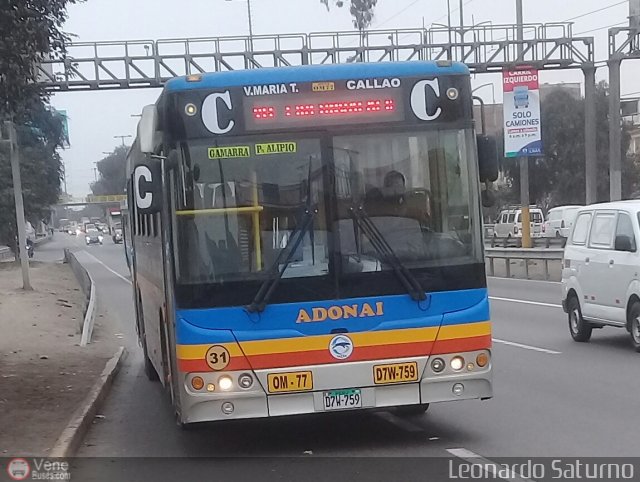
(94, 200)
(88, 66)
(150, 63)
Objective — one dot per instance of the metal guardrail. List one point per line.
(539, 254)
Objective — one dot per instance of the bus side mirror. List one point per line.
(147, 128)
(487, 158)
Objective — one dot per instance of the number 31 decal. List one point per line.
(217, 357)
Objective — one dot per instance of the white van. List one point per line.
(559, 221)
(509, 223)
(600, 282)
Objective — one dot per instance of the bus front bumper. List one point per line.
(256, 403)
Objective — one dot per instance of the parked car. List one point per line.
(600, 285)
(93, 236)
(559, 221)
(509, 223)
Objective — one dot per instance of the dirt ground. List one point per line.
(44, 373)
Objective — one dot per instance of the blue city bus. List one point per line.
(308, 239)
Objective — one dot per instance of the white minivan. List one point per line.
(601, 268)
(559, 221)
(509, 223)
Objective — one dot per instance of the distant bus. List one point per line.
(309, 239)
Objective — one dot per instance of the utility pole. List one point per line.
(14, 155)
(524, 160)
(250, 17)
(123, 138)
(64, 179)
(591, 160)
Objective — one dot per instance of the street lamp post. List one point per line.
(250, 18)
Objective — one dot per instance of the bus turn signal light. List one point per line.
(197, 383)
(482, 359)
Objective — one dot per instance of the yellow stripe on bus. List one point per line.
(451, 332)
(198, 352)
(310, 343)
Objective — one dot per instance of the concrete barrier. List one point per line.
(88, 288)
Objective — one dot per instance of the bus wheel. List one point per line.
(411, 410)
(580, 330)
(149, 369)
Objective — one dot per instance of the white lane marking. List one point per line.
(114, 272)
(500, 278)
(527, 347)
(525, 302)
(486, 465)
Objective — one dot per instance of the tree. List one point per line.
(112, 173)
(29, 31)
(361, 11)
(558, 178)
(41, 170)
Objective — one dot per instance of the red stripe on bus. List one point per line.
(200, 365)
(363, 353)
(462, 344)
(322, 357)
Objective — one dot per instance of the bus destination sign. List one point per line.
(314, 104)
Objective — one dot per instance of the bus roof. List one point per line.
(309, 73)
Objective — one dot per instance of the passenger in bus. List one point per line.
(390, 200)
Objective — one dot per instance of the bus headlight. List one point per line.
(225, 383)
(437, 365)
(245, 381)
(100, 238)
(457, 362)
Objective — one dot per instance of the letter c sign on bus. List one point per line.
(420, 99)
(145, 188)
(211, 115)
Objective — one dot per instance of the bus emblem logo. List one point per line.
(341, 347)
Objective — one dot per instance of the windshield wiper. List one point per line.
(276, 272)
(380, 244)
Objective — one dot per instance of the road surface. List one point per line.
(553, 397)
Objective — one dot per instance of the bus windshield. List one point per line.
(243, 197)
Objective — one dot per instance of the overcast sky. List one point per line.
(96, 117)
